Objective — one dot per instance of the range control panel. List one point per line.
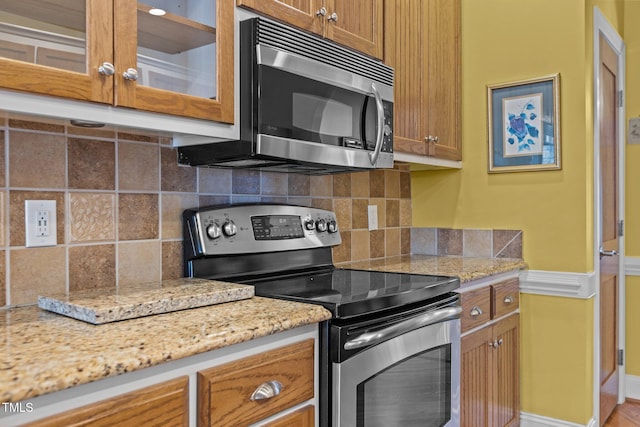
(256, 228)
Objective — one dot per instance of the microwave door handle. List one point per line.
(373, 157)
(429, 318)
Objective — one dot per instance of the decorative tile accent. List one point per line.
(172, 207)
(92, 267)
(245, 181)
(507, 243)
(36, 271)
(175, 177)
(214, 180)
(135, 254)
(138, 217)
(29, 152)
(138, 167)
(172, 267)
(92, 164)
(477, 243)
(91, 217)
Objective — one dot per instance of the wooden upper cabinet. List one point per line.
(356, 24)
(118, 53)
(422, 44)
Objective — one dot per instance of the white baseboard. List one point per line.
(533, 420)
(632, 388)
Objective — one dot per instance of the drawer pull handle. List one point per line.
(267, 390)
(508, 300)
(475, 311)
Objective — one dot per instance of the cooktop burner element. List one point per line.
(284, 251)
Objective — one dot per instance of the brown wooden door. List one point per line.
(303, 14)
(71, 69)
(357, 24)
(609, 260)
(505, 396)
(164, 93)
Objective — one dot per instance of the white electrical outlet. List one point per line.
(40, 223)
(373, 217)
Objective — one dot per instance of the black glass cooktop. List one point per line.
(347, 293)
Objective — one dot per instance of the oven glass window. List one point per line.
(414, 392)
(296, 107)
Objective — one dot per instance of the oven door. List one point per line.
(410, 380)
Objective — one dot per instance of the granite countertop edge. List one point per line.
(44, 352)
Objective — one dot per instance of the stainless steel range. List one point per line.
(389, 356)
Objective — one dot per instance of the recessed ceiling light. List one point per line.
(157, 11)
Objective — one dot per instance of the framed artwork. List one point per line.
(524, 125)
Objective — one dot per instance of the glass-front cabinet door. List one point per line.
(166, 56)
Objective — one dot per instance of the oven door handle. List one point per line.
(426, 319)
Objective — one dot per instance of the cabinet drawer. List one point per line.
(506, 297)
(476, 308)
(225, 392)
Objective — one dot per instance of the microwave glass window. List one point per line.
(321, 116)
(296, 107)
(415, 392)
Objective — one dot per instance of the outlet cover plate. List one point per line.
(40, 223)
(373, 217)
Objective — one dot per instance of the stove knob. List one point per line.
(321, 225)
(332, 226)
(309, 224)
(229, 228)
(213, 231)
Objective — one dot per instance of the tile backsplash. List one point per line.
(120, 197)
(466, 242)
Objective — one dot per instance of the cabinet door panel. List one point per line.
(165, 404)
(506, 359)
(442, 90)
(304, 417)
(476, 380)
(59, 26)
(183, 59)
(299, 13)
(359, 25)
(403, 51)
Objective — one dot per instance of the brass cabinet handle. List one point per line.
(267, 390)
(475, 311)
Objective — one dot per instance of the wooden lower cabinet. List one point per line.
(251, 389)
(165, 404)
(304, 417)
(490, 375)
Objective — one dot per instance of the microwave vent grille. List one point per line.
(310, 46)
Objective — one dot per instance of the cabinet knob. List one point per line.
(475, 311)
(508, 300)
(267, 390)
(430, 138)
(321, 12)
(130, 74)
(333, 17)
(107, 69)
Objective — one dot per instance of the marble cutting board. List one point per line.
(102, 305)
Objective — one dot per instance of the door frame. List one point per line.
(602, 27)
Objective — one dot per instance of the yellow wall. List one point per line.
(525, 40)
(510, 40)
(557, 372)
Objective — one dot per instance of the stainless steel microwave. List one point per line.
(307, 105)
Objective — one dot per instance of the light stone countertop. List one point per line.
(43, 352)
(466, 268)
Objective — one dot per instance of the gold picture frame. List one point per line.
(524, 125)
